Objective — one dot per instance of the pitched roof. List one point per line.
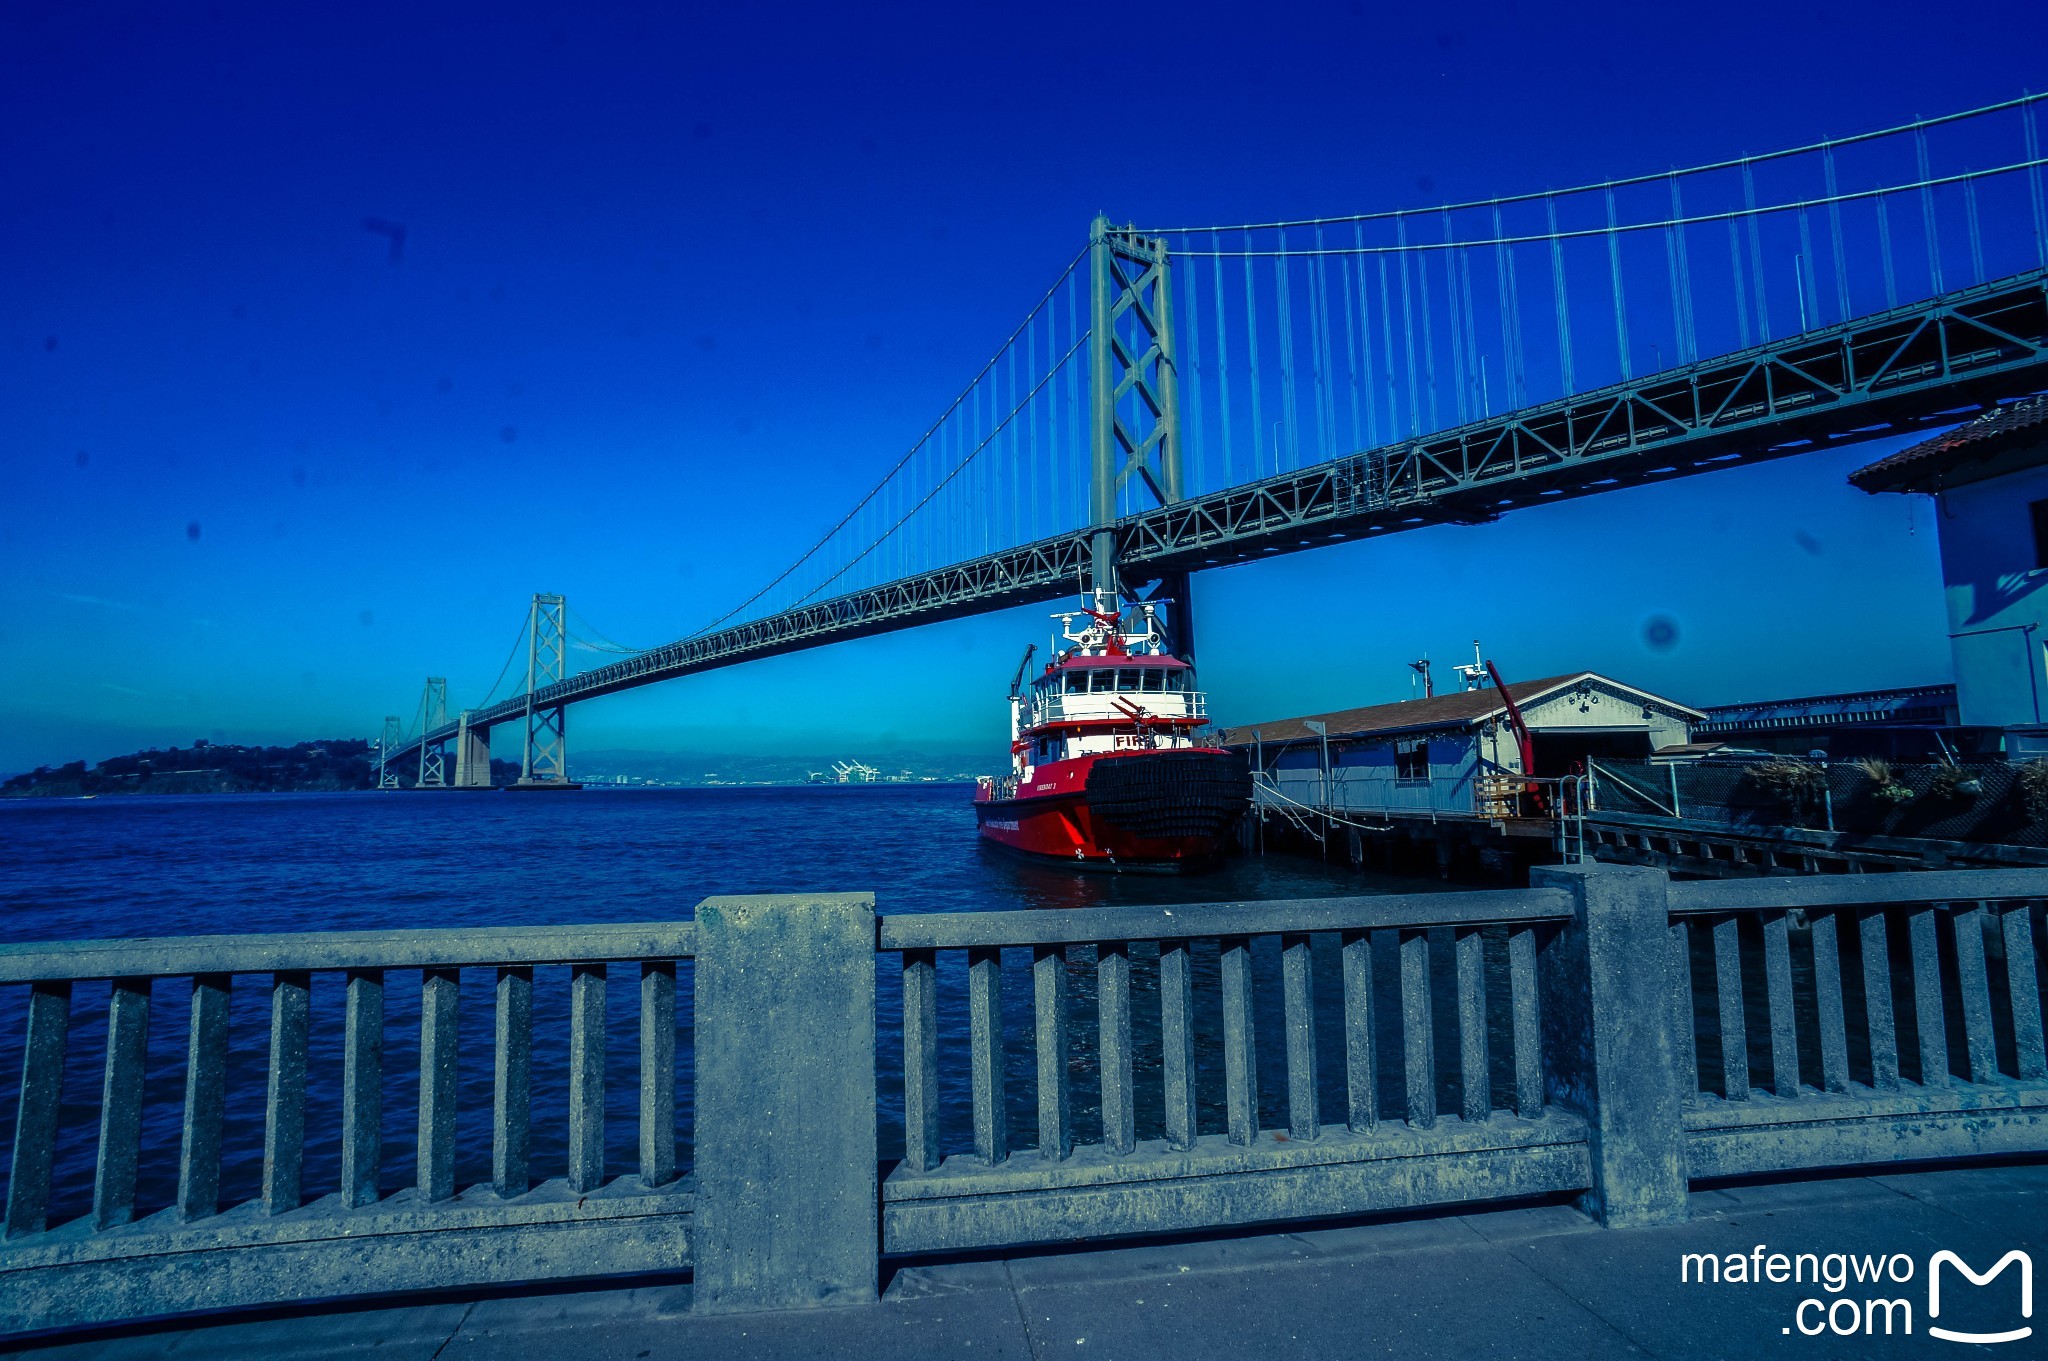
(1462, 707)
(1968, 450)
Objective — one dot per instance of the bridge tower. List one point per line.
(1134, 401)
(433, 713)
(545, 758)
(393, 736)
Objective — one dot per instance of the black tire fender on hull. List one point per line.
(1171, 793)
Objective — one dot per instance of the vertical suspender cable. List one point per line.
(1223, 378)
(1474, 374)
(1049, 514)
(1425, 309)
(1741, 284)
(1454, 328)
(2034, 183)
(1928, 223)
(1317, 369)
(1756, 254)
(1557, 290)
(1614, 273)
(1191, 347)
(1387, 348)
(1809, 299)
(1074, 396)
(1317, 372)
(1327, 352)
(1511, 312)
(1283, 287)
(1031, 510)
(1835, 238)
(1408, 327)
(1884, 249)
(1016, 478)
(977, 472)
(1681, 279)
(1976, 237)
(1350, 264)
(1365, 337)
(1251, 341)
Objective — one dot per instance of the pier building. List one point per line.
(1989, 481)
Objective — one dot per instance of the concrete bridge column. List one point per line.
(1611, 1038)
(472, 755)
(788, 1213)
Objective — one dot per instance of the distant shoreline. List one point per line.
(57, 793)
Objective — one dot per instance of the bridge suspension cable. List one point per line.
(518, 641)
(586, 636)
(965, 427)
(1828, 144)
(1390, 326)
(1612, 228)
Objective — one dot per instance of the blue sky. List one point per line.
(677, 285)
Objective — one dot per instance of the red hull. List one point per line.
(1050, 819)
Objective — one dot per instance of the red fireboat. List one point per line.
(1105, 769)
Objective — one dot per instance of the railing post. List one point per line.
(1610, 1040)
(787, 1208)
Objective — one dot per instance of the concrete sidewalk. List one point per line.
(1537, 1282)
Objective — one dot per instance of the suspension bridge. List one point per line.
(1183, 398)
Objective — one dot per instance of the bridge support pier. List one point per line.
(472, 755)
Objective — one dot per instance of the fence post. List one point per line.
(1608, 1034)
(787, 1202)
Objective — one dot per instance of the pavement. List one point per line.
(1537, 1281)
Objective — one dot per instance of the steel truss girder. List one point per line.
(1908, 368)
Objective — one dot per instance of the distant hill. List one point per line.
(208, 768)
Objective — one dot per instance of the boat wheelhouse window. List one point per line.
(1126, 679)
(1155, 680)
(1077, 682)
(1411, 758)
(1104, 680)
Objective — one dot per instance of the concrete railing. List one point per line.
(1899, 1016)
(1563, 1017)
(353, 1239)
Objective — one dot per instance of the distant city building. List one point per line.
(1909, 724)
(1989, 481)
